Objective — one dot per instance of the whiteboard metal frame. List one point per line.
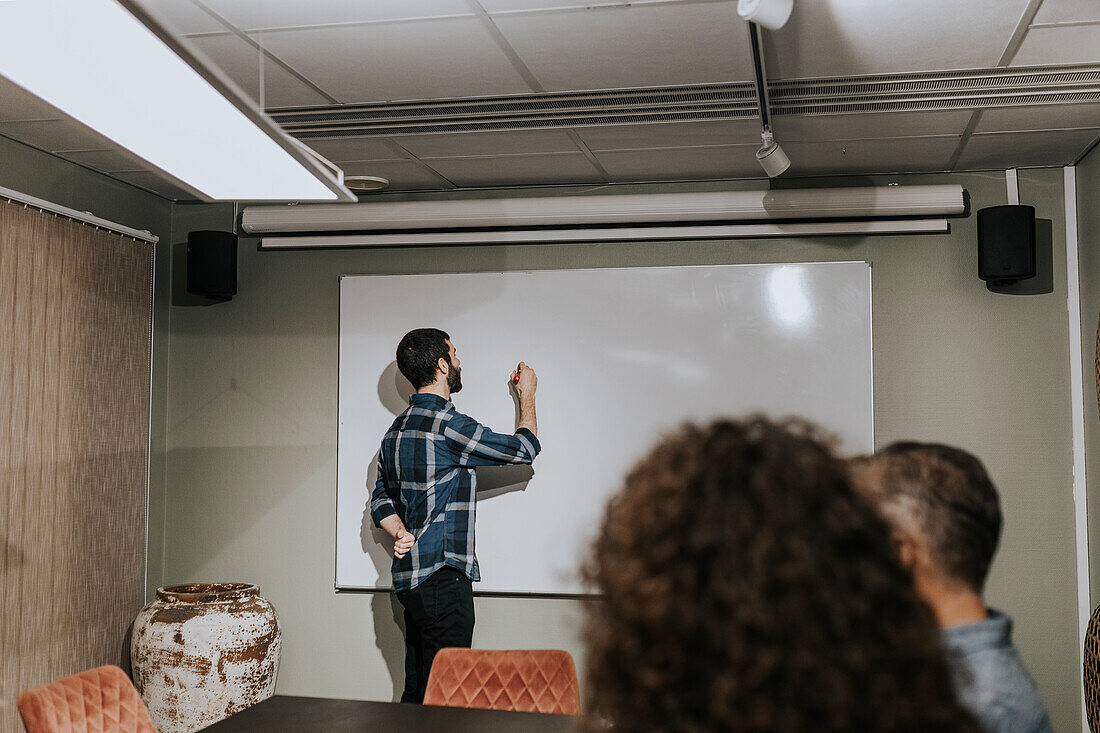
(357, 589)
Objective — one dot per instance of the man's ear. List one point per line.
(442, 365)
(906, 549)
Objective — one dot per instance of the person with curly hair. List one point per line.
(744, 586)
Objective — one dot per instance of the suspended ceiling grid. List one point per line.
(330, 54)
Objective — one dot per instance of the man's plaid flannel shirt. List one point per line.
(426, 477)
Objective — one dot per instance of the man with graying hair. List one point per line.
(946, 519)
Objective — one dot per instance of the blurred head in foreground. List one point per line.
(745, 586)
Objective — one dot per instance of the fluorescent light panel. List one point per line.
(96, 62)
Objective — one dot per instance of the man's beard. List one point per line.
(454, 380)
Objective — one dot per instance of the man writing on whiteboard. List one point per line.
(425, 497)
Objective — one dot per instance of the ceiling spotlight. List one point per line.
(772, 14)
(771, 157)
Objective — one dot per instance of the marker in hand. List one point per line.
(515, 375)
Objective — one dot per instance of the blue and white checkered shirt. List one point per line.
(426, 477)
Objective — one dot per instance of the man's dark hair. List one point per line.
(745, 586)
(419, 353)
(944, 497)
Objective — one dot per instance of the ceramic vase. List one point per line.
(203, 651)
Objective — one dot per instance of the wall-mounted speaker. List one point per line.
(1006, 243)
(212, 264)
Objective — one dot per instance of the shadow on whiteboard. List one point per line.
(496, 480)
(376, 542)
(394, 390)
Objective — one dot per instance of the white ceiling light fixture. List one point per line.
(772, 14)
(111, 66)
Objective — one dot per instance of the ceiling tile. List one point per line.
(1046, 117)
(681, 164)
(1067, 11)
(250, 14)
(403, 175)
(491, 143)
(18, 104)
(339, 149)
(183, 16)
(106, 161)
(153, 182)
(53, 135)
(631, 45)
(517, 170)
(670, 135)
(999, 151)
(898, 155)
(1059, 45)
(872, 125)
(524, 6)
(427, 59)
(241, 62)
(849, 37)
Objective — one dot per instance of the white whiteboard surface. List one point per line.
(623, 356)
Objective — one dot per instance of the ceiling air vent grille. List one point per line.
(420, 128)
(876, 104)
(923, 91)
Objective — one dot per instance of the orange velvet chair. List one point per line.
(540, 681)
(101, 700)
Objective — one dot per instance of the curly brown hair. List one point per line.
(746, 587)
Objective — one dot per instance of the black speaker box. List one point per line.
(212, 264)
(1006, 243)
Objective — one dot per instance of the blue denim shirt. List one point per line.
(990, 680)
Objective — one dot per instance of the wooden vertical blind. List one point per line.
(75, 321)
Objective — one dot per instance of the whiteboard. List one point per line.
(623, 356)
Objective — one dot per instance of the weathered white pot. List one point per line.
(203, 651)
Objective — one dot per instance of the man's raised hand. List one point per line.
(527, 381)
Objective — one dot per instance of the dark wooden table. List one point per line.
(283, 714)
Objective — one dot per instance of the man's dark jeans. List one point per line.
(439, 613)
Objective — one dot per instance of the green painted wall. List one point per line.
(1088, 237)
(252, 398)
(31, 171)
(243, 476)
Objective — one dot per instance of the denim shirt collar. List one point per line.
(428, 400)
(993, 633)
